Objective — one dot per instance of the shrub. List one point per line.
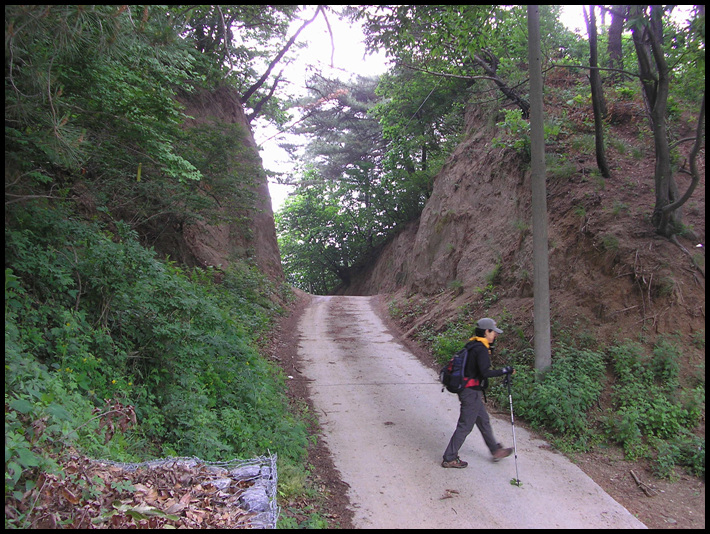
(92, 315)
(560, 400)
(447, 343)
(651, 410)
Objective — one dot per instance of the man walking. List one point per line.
(473, 411)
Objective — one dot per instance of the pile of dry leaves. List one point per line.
(173, 493)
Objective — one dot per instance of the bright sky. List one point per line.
(348, 59)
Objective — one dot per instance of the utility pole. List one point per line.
(541, 268)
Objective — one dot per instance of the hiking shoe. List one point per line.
(458, 463)
(501, 453)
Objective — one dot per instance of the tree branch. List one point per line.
(254, 88)
(446, 75)
(692, 162)
(260, 104)
(633, 74)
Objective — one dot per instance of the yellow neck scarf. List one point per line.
(482, 340)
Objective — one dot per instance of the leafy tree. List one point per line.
(647, 27)
(108, 117)
(421, 116)
(598, 103)
(316, 238)
(475, 42)
(615, 51)
(244, 45)
(381, 149)
(339, 127)
(363, 183)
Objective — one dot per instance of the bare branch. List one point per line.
(254, 88)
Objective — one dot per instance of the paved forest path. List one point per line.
(387, 439)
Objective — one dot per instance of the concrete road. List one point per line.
(387, 423)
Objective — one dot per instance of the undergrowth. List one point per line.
(116, 354)
(653, 412)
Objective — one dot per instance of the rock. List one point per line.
(255, 499)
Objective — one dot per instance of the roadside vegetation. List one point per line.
(115, 354)
(629, 393)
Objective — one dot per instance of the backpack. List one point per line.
(452, 376)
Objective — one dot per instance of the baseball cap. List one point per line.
(488, 324)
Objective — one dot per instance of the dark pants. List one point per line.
(473, 412)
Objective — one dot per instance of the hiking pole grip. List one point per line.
(506, 381)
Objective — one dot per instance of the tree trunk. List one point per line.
(598, 103)
(614, 50)
(541, 278)
(655, 79)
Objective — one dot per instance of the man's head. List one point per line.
(488, 324)
(488, 329)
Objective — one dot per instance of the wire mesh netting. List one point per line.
(195, 493)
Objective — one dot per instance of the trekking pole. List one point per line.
(512, 422)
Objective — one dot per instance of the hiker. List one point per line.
(473, 410)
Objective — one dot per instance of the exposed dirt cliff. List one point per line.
(242, 224)
(609, 272)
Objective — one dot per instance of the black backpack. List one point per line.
(452, 374)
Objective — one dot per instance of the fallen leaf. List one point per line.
(176, 508)
(69, 496)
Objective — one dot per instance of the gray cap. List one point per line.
(488, 324)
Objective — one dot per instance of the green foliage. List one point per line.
(446, 344)
(698, 339)
(372, 157)
(253, 32)
(103, 112)
(92, 315)
(516, 133)
(421, 116)
(312, 238)
(445, 38)
(112, 120)
(651, 410)
(560, 400)
(446, 57)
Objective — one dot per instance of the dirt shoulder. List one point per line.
(333, 498)
(679, 503)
